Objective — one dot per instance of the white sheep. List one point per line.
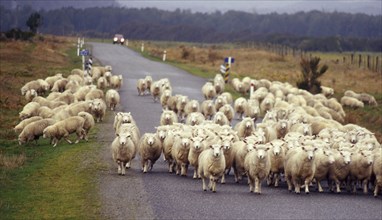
(220, 119)
(52, 79)
(20, 126)
(299, 167)
(123, 150)
(220, 101)
(167, 148)
(277, 156)
(228, 97)
(208, 109)
(267, 103)
(72, 86)
(245, 128)
(228, 112)
(340, 169)
(197, 146)
(168, 117)
(211, 165)
(82, 91)
(257, 165)
(121, 118)
(116, 81)
(88, 124)
(78, 72)
(150, 149)
(180, 151)
(98, 109)
(165, 96)
(195, 118)
(149, 81)
(351, 102)
(171, 103)
(361, 169)
(94, 94)
(377, 170)
(302, 128)
(45, 112)
(253, 109)
(241, 148)
(191, 106)
(44, 102)
(323, 160)
(34, 130)
(228, 138)
(29, 110)
(112, 99)
(102, 83)
(219, 83)
(239, 106)
(155, 90)
(64, 128)
(327, 91)
(59, 85)
(39, 85)
(30, 94)
(141, 86)
(368, 99)
(208, 90)
(181, 105)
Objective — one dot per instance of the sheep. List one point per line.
(208, 91)
(302, 128)
(171, 103)
(88, 124)
(195, 118)
(102, 83)
(20, 126)
(267, 103)
(150, 149)
(245, 128)
(64, 128)
(228, 97)
(39, 85)
(45, 112)
(34, 130)
(253, 109)
(108, 76)
(259, 94)
(340, 169)
(377, 170)
(246, 83)
(180, 151)
(149, 81)
(155, 90)
(112, 99)
(323, 160)
(208, 109)
(368, 99)
(219, 83)
(167, 148)
(351, 93)
(78, 72)
(82, 91)
(121, 118)
(220, 119)
(361, 169)
(116, 81)
(165, 96)
(220, 101)
(228, 139)
(52, 79)
(257, 165)
(299, 167)
(181, 105)
(239, 86)
(228, 112)
(77, 78)
(277, 156)
(30, 94)
(141, 87)
(335, 105)
(44, 102)
(29, 110)
(123, 150)
(211, 165)
(241, 148)
(168, 117)
(66, 97)
(197, 146)
(98, 109)
(59, 85)
(191, 106)
(94, 94)
(239, 106)
(327, 91)
(351, 102)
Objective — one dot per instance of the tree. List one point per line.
(310, 72)
(34, 21)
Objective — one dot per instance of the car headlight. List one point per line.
(115, 39)
(122, 40)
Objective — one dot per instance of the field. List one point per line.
(42, 182)
(205, 60)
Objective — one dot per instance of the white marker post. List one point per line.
(143, 47)
(78, 47)
(164, 56)
(83, 63)
(127, 42)
(252, 89)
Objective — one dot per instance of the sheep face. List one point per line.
(346, 156)
(197, 142)
(367, 158)
(217, 150)
(126, 117)
(185, 143)
(162, 134)
(309, 150)
(226, 142)
(307, 129)
(277, 148)
(123, 137)
(150, 139)
(261, 152)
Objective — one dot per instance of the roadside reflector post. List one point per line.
(127, 42)
(164, 55)
(252, 89)
(143, 47)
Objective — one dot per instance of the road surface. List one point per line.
(161, 195)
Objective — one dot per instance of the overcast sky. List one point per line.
(262, 6)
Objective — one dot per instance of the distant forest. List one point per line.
(314, 30)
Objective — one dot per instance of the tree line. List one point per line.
(314, 30)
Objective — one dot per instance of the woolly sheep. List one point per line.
(228, 97)
(30, 94)
(191, 106)
(208, 91)
(59, 85)
(228, 112)
(34, 130)
(52, 79)
(64, 128)
(66, 97)
(44, 102)
(180, 151)
(277, 156)
(208, 109)
(238, 86)
(20, 126)
(259, 94)
(377, 170)
(327, 91)
(219, 83)
(112, 99)
(181, 105)
(78, 72)
(133, 131)
(39, 85)
(195, 118)
(121, 118)
(29, 110)
(168, 117)
(123, 150)
(253, 109)
(302, 128)
(82, 91)
(257, 165)
(241, 148)
(98, 109)
(211, 165)
(197, 146)
(323, 160)
(74, 108)
(368, 99)
(267, 103)
(150, 149)
(94, 94)
(299, 167)
(165, 96)
(77, 78)
(361, 169)
(220, 119)
(102, 83)
(228, 139)
(336, 106)
(45, 112)
(149, 81)
(171, 103)
(167, 148)
(88, 124)
(141, 87)
(245, 128)
(220, 101)
(155, 90)
(340, 169)
(239, 106)
(116, 81)
(351, 102)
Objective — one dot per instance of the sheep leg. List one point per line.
(269, 179)
(365, 186)
(338, 189)
(319, 186)
(307, 181)
(296, 186)
(257, 186)
(376, 189)
(144, 166)
(277, 179)
(214, 184)
(195, 174)
(251, 184)
(128, 165)
(204, 184)
(288, 180)
(123, 169)
(119, 168)
(183, 169)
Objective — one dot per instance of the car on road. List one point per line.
(118, 39)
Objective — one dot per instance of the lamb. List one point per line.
(30, 94)
(20, 126)
(59, 85)
(211, 165)
(197, 146)
(123, 150)
(150, 149)
(323, 160)
(245, 128)
(351, 102)
(228, 112)
(257, 165)
(88, 124)
(180, 151)
(165, 96)
(112, 99)
(29, 110)
(141, 87)
(340, 169)
(94, 94)
(34, 130)
(98, 109)
(327, 91)
(208, 91)
(64, 128)
(195, 118)
(277, 156)
(361, 169)
(220, 119)
(168, 117)
(116, 81)
(208, 109)
(377, 170)
(299, 167)
(239, 106)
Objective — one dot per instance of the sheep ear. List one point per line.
(315, 149)
(117, 134)
(266, 149)
(303, 147)
(211, 147)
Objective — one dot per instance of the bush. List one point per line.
(310, 72)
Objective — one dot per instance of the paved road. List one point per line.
(162, 195)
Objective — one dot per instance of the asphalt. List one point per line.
(160, 195)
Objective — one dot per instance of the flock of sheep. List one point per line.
(72, 104)
(301, 138)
